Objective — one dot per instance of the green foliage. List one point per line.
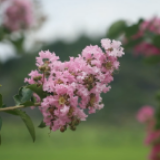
(1, 102)
(0, 128)
(158, 97)
(24, 97)
(132, 43)
(156, 41)
(18, 43)
(42, 125)
(28, 103)
(152, 59)
(38, 90)
(133, 29)
(3, 32)
(157, 113)
(26, 119)
(0, 123)
(116, 29)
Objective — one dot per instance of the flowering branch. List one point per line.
(16, 107)
(66, 90)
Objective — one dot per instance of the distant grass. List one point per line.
(87, 143)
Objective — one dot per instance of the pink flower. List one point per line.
(18, 15)
(155, 153)
(112, 48)
(145, 114)
(74, 87)
(153, 137)
(147, 28)
(152, 25)
(146, 49)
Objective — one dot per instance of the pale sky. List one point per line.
(67, 19)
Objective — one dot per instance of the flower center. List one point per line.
(61, 100)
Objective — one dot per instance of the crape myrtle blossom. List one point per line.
(18, 15)
(155, 153)
(75, 86)
(146, 115)
(152, 25)
(147, 29)
(147, 49)
(153, 139)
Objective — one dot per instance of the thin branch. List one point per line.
(17, 107)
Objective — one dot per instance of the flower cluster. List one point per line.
(151, 25)
(146, 49)
(75, 85)
(147, 29)
(18, 14)
(146, 115)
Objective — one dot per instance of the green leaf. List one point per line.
(158, 96)
(24, 96)
(18, 43)
(0, 139)
(132, 43)
(116, 29)
(157, 116)
(13, 112)
(1, 102)
(0, 128)
(38, 90)
(3, 106)
(27, 104)
(29, 124)
(156, 41)
(3, 32)
(26, 119)
(157, 126)
(0, 123)
(152, 59)
(141, 20)
(17, 99)
(42, 125)
(131, 30)
(6, 30)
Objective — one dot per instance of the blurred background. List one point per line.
(113, 132)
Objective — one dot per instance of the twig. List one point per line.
(16, 107)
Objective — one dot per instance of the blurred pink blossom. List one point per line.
(152, 25)
(18, 15)
(146, 28)
(155, 152)
(145, 114)
(153, 137)
(146, 49)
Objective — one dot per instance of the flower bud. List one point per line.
(73, 128)
(37, 78)
(42, 68)
(63, 128)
